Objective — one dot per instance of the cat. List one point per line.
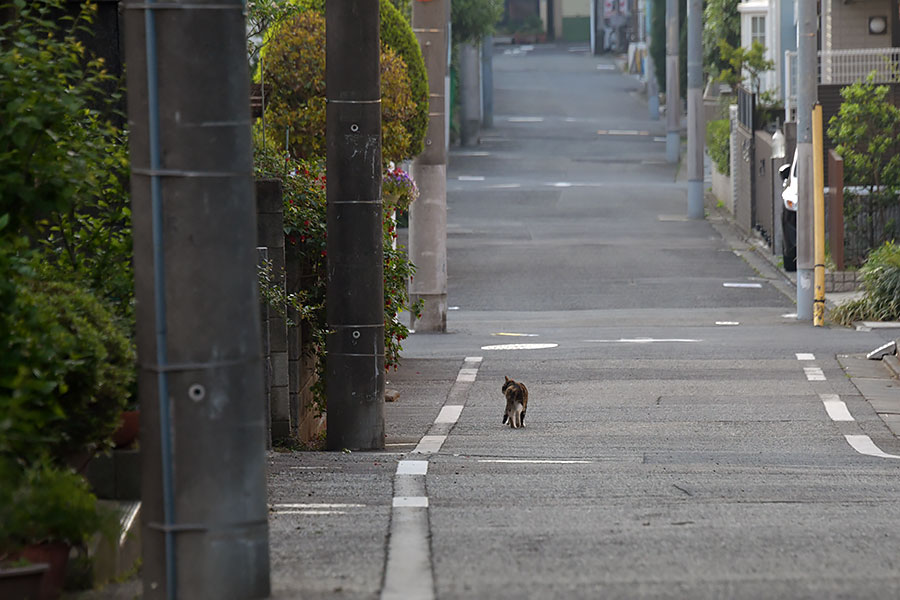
(516, 402)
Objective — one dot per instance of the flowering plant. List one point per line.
(398, 190)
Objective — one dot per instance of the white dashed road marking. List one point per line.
(836, 408)
(742, 285)
(814, 374)
(864, 445)
(805, 356)
(408, 570)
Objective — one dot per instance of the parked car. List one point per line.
(788, 174)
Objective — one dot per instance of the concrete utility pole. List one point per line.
(807, 80)
(487, 81)
(469, 93)
(696, 124)
(652, 84)
(428, 214)
(203, 421)
(355, 297)
(673, 91)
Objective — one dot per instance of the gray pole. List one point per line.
(355, 296)
(696, 125)
(469, 93)
(652, 85)
(673, 93)
(203, 465)
(806, 98)
(487, 81)
(428, 214)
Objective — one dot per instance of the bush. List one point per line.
(71, 375)
(54, 145)
(881, 286)
(718, 143)
(295, 68)
(46, 503)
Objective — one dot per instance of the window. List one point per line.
(758, 30)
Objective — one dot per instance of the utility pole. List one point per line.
(696, 125)
(469, 93)
(487, 81)
(355, 296)
(652, 84)
(203, 421)
(428, 214)
(673, 93)
(807, 80)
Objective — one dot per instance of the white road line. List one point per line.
(728, 323)
(814, 374)
(429, 444)
(525, 119)
(836, 408)
(516, 334)
(316, 505)
(412, 467)
(309, 512)
(805, 356)
(505, 186)
(644, 341)
(471, 178)
(466, 375)
(660, 139)
(789, 316)
(474, 359)
(519, 346)
(864, 445)
(525, 461)
(742, 285)
(410, 502)
(449, 414)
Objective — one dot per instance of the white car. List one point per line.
(789, 214)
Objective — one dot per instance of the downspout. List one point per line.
(159, 299)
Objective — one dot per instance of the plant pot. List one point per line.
(56, 555)
(22, 583)
(129, 429)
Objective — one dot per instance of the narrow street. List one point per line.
(683, 438)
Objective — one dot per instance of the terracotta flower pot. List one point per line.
(56, 555)
(128, 430)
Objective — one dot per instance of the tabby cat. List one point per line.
(516, 402)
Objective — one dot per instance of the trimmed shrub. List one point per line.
(73, 375)
(396, 34)
(296, 70)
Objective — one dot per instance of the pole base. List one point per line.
(695, 200)
(434, 313)
(673, 146)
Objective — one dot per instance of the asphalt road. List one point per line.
(676, 444)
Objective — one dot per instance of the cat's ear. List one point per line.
(506, 378)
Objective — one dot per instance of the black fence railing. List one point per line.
(746, 108)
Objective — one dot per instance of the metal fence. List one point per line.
(842, 67)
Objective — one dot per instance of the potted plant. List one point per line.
(45, 511)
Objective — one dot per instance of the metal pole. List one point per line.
(205, 531)
(696, 125)
(806, 97)
(428, 214)
(819, 218)
(355, 296)
(673, 93)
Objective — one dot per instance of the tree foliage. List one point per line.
(407, 106)
(721, 22)
(473, 19)
(296, 71)
(739, 59)
(866, 133)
